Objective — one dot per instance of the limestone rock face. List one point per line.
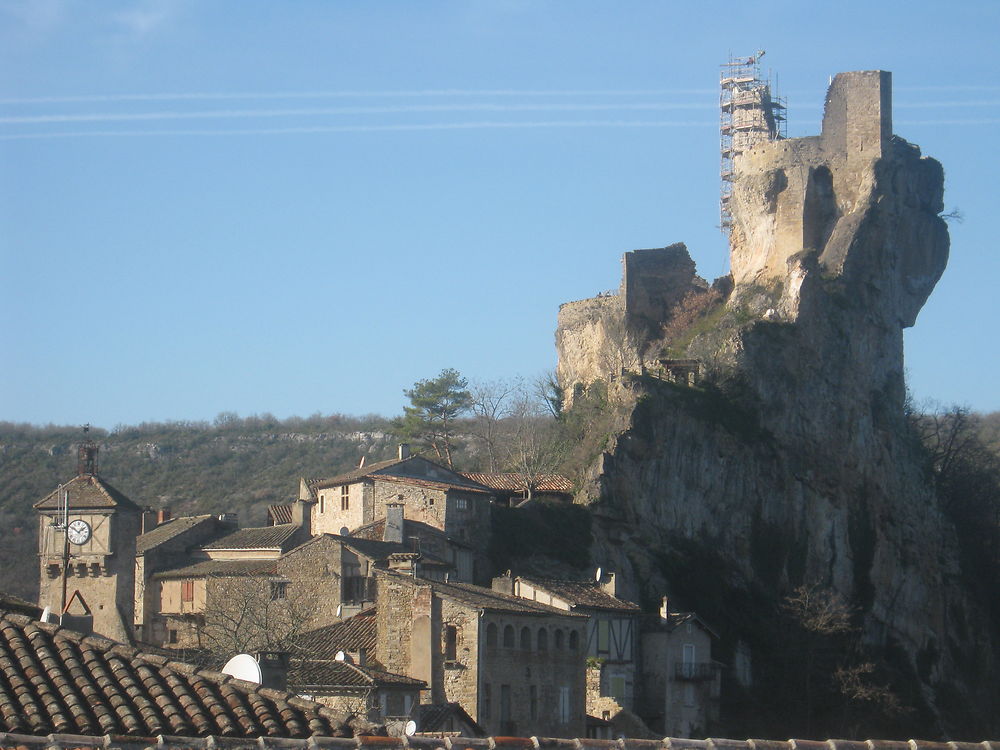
(803, 473)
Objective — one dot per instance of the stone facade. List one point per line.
(513, 666)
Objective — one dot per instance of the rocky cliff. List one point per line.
(791, 463)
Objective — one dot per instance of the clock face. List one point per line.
(78, 531)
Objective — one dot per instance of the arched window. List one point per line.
(559, 640)
(574, 640)
(543, 639)
(491, 635)
(525, 639)
(508, 636)
(451, 642)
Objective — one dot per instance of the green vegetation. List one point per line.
(549, 529)
(435, 407)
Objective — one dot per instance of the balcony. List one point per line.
(696, 671)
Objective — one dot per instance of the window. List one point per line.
(491, 635)
(187, 591)
(559, 640)
(504, 704)
(533, 701)
(508, 636)
(564, 705)
(618, 688)
(574, 640)
(171, 636)
(689, 660)
(461, 503)
(688, 694)
(345, 497)
(322, 503)
(543, 639)
(450, 642)
(279, 590)
(525, 639)
(603, 637)
(485, 708)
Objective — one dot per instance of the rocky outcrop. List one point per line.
(794, 465)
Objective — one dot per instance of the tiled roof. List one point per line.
(16, 604)
(166, 531)
(87, 491)
(58, 681)
(433, 483)
(222, 568)
(376, 530)
(514, 482)
(353, 634)
(433, 717)
(380, 551)
(587, 594)
(354, 475)
(259, 537)
(330, 673)
(279, 514)
(488, 599)
(369, 742)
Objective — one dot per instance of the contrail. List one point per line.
(203, 96)
(372, 128)
(397, 109)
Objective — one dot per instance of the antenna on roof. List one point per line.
(598, 576)
(243, 667)
(340, 608)
(410, 729)
(344, 657)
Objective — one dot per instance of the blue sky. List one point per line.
(300, 207)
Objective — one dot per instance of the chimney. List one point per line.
(504, 584)
(302, 515)
(404, 562)
(404, 451)
(361, 463)
(393, 523)
(148, 520)
(609, 584)
(273, 669)
(229, 519)
(162, 516)
(664, 609)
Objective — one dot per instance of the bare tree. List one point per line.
(534, 447)
(492, 402)
(254, 613)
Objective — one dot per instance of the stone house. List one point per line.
(431, 494)
(681, 684)
(612, 635)
(335, 666)
(340, 572)
(516, 666)
(510, 488)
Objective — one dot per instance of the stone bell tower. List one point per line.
(86, 550)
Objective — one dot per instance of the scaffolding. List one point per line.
(748, 115)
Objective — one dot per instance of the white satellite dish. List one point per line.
(46, 613)
(243, 667)
(598, 576)
(410, 729)
(340, 608)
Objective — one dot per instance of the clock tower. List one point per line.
(86, 549)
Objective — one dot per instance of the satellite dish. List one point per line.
(341, 656)
(598, 576)
(410, 729)
(340, 608)
(45, 614)
(243, 667)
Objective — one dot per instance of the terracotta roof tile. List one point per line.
(279, 514)
(167, 531)
(514, 482)
(587, 594)
(353, 634)
(222, 568)
(87, 491)
(261, 537)
(57, 680)
(488, 599)
(310, 673)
